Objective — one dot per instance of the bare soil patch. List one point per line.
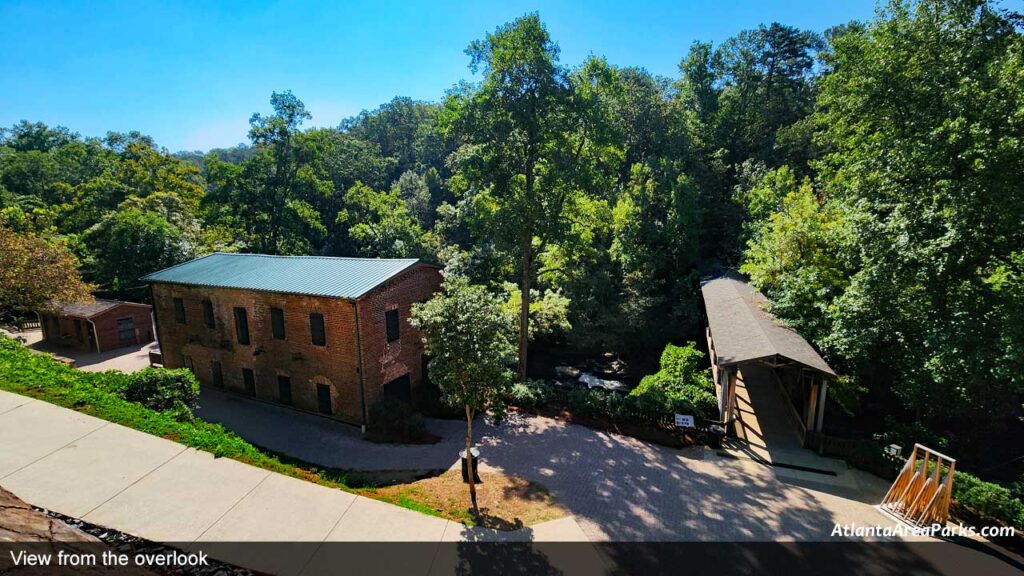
(506, 502)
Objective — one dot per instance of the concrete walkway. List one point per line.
(150, 487)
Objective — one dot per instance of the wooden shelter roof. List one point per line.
(744, 331)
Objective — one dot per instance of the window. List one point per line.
(187, 360)
(284, 390)
(249, 381)
(78, 330)
(391, 320)
(323, 398)
(218, 376)
(208, 318)
(179, 311)
(316, 329)
(126, 329)
(277, 323)
(242, 326)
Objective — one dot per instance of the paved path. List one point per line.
(617, 487)
(117, 477)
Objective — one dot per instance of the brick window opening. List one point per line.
(249, 381)
(241, 326)
(208, 318)
(323, 398)
(391, 320)
(284, 390)
(316, 329)
(218, 376)
(179, 311)
(277, 323)
(126, 329)
(187, 360)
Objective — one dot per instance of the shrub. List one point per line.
(988, 498)
(98, 394)
(164, 390)
(683, 363)
(680, 386)
(395, 421)
(530, 394)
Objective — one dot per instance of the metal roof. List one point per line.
(347, 278)
(743, 330)
(92, 309)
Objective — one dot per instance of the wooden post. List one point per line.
(821, 405)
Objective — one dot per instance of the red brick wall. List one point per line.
(65, 335)
(334, 364)
(385, 361)
(106, 326)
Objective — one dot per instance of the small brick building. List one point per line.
(98, 326)
(327, 335)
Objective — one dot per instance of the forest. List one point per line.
(868, 179)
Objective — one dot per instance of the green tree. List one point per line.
(466, 333)
(380, 226)
(515, 152)
(900, 257)
(130, 243)
(414, 191)
(269, 199)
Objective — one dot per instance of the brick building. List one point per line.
(327, 335)
(98, 326)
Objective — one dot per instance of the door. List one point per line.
(126, 331)
(323, 398)
(400, 388)
(284, 390)
(218, 375)
(249, 379)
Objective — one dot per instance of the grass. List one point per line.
(506, 502)
(40, 376)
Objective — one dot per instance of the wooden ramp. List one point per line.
(767, 429)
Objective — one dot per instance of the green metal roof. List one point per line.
(347, 278)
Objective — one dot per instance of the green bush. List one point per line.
(99, 394)
(395, 421)
(164, 390)
(681, 386)
(988, 498)
(530, 394)
(683, 362)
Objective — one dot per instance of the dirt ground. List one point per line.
(506, 502)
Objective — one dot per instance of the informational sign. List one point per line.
(684, 421)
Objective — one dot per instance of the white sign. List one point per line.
(684, 421)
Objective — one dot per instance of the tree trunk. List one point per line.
(469, 460)
(524, 307)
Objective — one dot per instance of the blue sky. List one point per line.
(191, 73)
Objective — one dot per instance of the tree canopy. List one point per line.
(867, 178)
